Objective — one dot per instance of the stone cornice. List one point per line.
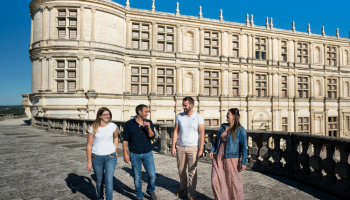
(226, 25)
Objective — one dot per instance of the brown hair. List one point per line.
(189, 99)
(98, 120)
(235, 112)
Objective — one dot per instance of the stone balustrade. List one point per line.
(11, 116)
(311, 159)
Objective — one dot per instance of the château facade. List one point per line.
(91, 53)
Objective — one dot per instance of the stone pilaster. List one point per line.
(221, 53)
(178, 80)
(253, 47)
(52, 14)
(49, 78)
(325, 58)
(42, 60)
(81, 74)
(201, 81)
(127, 78)
(92, 74)
(270, 85)
(250, 82)
(230, 94)
(82, 23)
(253, 83)
(223, 81)
(295, 51)
(178, 39)
(201, 41)
(128, 30)
(93, 23)
(31, 31)
(154, 37)
(44, 10)
(153, 79)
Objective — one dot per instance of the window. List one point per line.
(139, 80)
(165, 81)
(165, 121)
(211, 122)
(235, 46)
(284, 86)
(332, 126)
(284, 51)
(332, 55)
(332, 88)
(260, 85)
(66, 75)
(284, 124)
(260, 48)
(211, 83)
(303, 87)
(302, 52)
(303, 125)
(165, 38)
(211, 43)
(235, 84)
(67, 24)
(140, 36)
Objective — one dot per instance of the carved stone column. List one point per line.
(92, 74)
(44, 23)
(154, 37)
(223, 93)
(127, 36)
(253, 84)
(42, 60)
(81, 74)
(221, 53)
(178, 80)
(52, 14)
(93, 19)
(31, 31)
(82, 23)
(250, 82)
(127, 78)
(49, 78)
(325, 55)
(270, 84)
(201, 41)
(253, 46)
(295, 50)
(201, 81)
(178, 39)
(154, 79)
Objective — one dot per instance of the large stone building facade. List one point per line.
(91, 53)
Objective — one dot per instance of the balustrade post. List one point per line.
(343, 168)
(163, 140)
(265, 151)
(329, 165)
(315, 161)
(254, 152)
(85, 128)
(64, 129)
(277, 152)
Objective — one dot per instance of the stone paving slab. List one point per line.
(38, 164)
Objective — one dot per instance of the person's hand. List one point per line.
(126, 158)
(243, 167)
(173, 152)
(200, 154)
(147, 124)
(211, 155)
(89, 166)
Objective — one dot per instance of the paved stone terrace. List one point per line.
(37, 164)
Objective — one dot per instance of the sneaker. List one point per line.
(153, 196)
(181, 192)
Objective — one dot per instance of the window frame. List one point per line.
(165, 77)
(260, 88)
(330, 53)
(284, 54)
(210, 86)
(139, 83)
(165, 41)
(284, 89)
(302, 123)
(210, 45)
(331, 84)
(235, 87)
(140, 38)
(66, 69)
(301, 89)
(301, 55)
(235, 48)
(259, 51)
(331, 123)
(67, 27)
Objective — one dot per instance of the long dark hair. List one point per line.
(98, 120)
(236, 124)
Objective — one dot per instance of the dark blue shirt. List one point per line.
(137, 136)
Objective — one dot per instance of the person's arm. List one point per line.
(116, 140)
(150, 129)
(214, 146)
(201, 140)
(176, 130)
(243, 147)
(90, 139)
(126, 136)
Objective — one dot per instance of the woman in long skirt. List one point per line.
(230, 144)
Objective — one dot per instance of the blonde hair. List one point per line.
(98, 119)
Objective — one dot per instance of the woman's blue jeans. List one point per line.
(104, 167)
(148, 163)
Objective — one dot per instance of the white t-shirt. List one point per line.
(188, 128)
(103, 140)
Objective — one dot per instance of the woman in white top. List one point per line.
(101, 151)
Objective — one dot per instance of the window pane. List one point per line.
(234, 37)
(215, 122)
(214, 82)
(235, 53)
(214, 35)
(62, 13)
(169, 81)
(160, 46)
(134, 89)
(263, 55)
(73, 34)
(160, 71)
(169, 72)
(235, 92)
(60, 86)
(160, 80)
(206, 74)
(284, 85)
(206, 34)
(284, 128)
(135, 44)
(170, 30)
(72, 22)
(214, 75)
(73, 13)
(284, 120)
(169, 121)
(170, 47)
(300, 120)
(306, 120)
(206, 42)
(135, 26)
(284, 93)
(214, 51)
(206, 82)
(215, 91)
(135, 34)
(144, 79)
(207, 122)
(234, 75)
(207, 91)
(145, 45)
(61, 22)
(71, 64)
(169, 90)
(257, 55)
(161, 29)
(169, 38)
(71, 86)
(61, 34)
(145, 35)
(214, 43)
(160, 90)
(235, 44)
(207, 51)
(161, 37)
(134, 70)
(60, 64)
(134, 79)
(71, 74)
(145, 27)
(60, 74)
(144, 71)
(144, 89)
(234, 83)
(160, 121)
(257, 93)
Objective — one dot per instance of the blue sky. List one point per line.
(15, 76)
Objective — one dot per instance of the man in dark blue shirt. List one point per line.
(138, 133)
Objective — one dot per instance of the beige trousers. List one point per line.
(187, 158)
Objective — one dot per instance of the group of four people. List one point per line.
(230, 148)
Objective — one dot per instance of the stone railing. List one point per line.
(318, 161)
(11, 116)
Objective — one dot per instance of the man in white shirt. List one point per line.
(187, 126)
